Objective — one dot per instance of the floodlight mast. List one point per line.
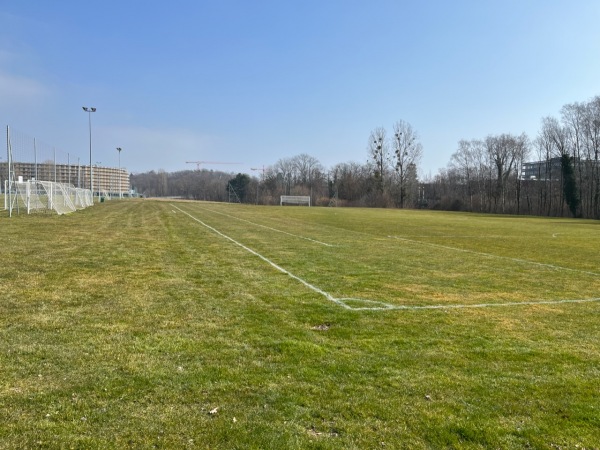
(258, 182)
(119, 149)
(90, 110)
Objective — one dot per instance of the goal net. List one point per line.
(39, 178)
(32, 196)
(294, 200)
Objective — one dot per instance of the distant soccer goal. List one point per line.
(294, 200)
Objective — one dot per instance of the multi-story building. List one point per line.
(107, 180)
(550, 170)
(541, 170)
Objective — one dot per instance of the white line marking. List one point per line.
(268, 228)
(489, 305)
(444, 236)
(268, 261)
(376, 305)
(491, 255)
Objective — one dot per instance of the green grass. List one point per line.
(124, 325)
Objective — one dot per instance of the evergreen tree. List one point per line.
(240, 185)
(569, 184)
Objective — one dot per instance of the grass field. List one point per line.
(156, 324)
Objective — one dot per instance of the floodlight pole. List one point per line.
(98, 184)
(90, 110)
(119, 149)
(258, 182)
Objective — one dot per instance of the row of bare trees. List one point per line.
(556, 174)
(576, 136)
(483, 175)
(388, 178)
(190, 184)
(395, 162)
(300, 175)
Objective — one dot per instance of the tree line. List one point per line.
(556, 174)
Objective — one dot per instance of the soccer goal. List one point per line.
(34, 196)
(294, 200)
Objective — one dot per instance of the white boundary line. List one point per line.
(491, 255)
(268, 228)
(491, 305)
(376, 305)
(455, 236)
(268, 261)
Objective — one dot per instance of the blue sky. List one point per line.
(256, 81)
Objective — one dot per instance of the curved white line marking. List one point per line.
(374, 304)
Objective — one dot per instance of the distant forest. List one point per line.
(557, 173)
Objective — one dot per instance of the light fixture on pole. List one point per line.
(119, 149)
(90, 110)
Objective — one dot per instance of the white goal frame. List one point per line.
(42, 196)
(294, 200)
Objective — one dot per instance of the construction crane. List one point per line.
(199, 163)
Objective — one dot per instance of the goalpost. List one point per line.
(35, 195)
(294, 200)
(29, 189)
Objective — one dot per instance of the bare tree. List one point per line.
(483, 170)
(379, 155)
(349, 181)
(505, 151)
(407, 154)
(305, 166)
(463, 161)
(163, 183)
(284, 168)
(308, 173)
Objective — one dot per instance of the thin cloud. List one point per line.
(25, 89)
